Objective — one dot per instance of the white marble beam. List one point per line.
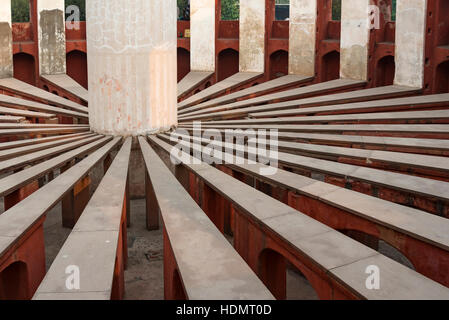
(202, 35)
(302, 43)
(410, 42)
(354, 42)
(6, 58)
(252, 36)
(131, 54)
(51, 35)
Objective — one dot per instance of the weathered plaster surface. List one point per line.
(303, 15)
(252, 35)
(354, 39)
(202, 30)
(132, 66)
(410, 41)
(51, 30)
(6, 62)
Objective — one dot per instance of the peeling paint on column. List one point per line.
(132, 66)
(354, 39)
(6, 60)
(252, 36)
(202, 30)
(302, 43)
(410, 42)
(52, 49)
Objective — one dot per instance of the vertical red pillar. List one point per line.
(173, 287)
(75, 201)
(151, 205)
(15, 197)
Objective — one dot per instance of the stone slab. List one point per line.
(67, 83)
(191, 81)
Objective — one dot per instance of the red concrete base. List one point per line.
(74, 203)
(267, 255)
(22, 267)
(427, 259)
(121, 260)
(151, 205)
(428, 204)
(173, 287)
(15, 197)
(264, 252)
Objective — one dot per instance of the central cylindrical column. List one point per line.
(132, 65)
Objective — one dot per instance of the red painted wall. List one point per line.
(330, 67)
(385, 71)
(183, 63)
(77, 67)
(278, 64)
(228, 64)
(442, 78)
(24, 67)
(381, 69)
(437, 47)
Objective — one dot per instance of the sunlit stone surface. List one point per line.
(52, 41)
(132, 66)
(410, 40)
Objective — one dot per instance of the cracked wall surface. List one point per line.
(132, 66)
(6, 61)
(202, 30)
(355, 30)
(302, 43)
(51, 33)
(410, 42)
(252, 36)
